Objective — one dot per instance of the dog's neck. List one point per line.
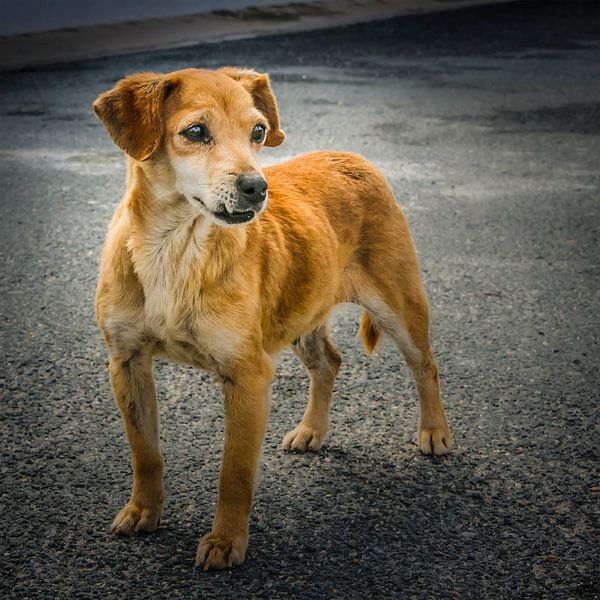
(165, 228)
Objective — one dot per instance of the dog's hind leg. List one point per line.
(136, 397)
(322, 361)
(405, 317)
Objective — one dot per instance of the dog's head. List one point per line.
(198, 134)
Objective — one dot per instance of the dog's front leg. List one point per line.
(135, 395)
(246, 410)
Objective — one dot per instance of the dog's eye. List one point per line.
(197, 133)
(258, 134)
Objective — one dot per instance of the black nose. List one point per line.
(253, 188)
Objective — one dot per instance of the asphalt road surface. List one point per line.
(487, 124)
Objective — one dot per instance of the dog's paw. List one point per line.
(221, 552)
(435, 440)
(303, 438)
(133, 519)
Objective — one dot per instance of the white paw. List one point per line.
(304, 438)
(221, 552)
(435, 440)
(133, 519)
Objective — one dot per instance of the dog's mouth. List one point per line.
(235, 217)
(231, 218)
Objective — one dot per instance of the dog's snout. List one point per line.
(252, 187)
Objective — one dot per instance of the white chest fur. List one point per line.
(166, 260)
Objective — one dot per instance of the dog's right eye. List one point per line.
(197, 133)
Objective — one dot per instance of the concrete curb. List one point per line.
(44, 48)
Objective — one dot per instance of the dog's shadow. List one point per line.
(345, 508)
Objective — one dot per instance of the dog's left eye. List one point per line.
(258, 134)
(197, 133)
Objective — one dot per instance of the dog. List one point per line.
(211, 261)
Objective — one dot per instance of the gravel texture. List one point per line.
(486, 122)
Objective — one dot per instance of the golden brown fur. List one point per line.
(177, 282)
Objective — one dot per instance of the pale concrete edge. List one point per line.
(24, 50)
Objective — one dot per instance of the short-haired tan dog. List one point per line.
(214, 262)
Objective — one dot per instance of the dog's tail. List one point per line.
(369, 332)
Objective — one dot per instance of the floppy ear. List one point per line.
(132, 113)
(260, 88)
